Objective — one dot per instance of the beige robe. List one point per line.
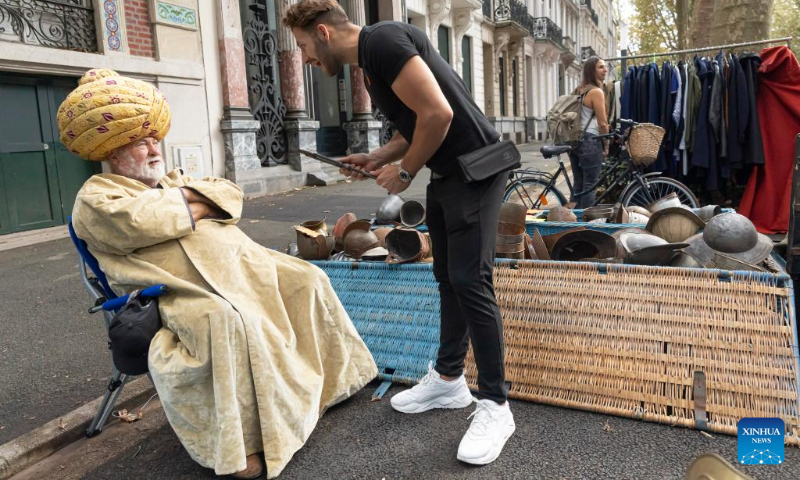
(255, 344)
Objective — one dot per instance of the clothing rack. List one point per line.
(787, 40)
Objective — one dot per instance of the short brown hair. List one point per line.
(310, 13)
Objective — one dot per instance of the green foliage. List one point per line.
(786, 20)
(653, 26)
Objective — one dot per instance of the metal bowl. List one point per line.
(633, 242)
(708, 212)
(389, 209)
(674, 224)
(657, 255)
(670, 200)
(412, 213)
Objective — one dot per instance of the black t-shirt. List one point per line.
(383, 50)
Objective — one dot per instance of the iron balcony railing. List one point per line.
(67, 24)
(546, 29)
(512, 11)
(592, 13)
(541, 28)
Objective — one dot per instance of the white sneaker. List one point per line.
(433, 392)
(487, 435)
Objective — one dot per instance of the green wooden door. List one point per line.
(72, 169)
(38, 176)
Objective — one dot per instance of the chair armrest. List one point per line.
(116, 303)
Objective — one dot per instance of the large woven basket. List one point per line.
(616, 339)
(644, 143)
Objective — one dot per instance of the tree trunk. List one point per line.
(700, 34)
(682, 22)
(736, 21)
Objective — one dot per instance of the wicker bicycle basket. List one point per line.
(644, 143)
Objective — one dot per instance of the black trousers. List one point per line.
(462, 221)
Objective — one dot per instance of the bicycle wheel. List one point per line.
(533, 193)
(659, 188)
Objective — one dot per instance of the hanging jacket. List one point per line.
(642, 94)
(753, 145)
(653, 95)
(705, 145)
(768, 196)
(694, 92)
(628, 89)
(738, 114)
(661, 164)
(716, 113)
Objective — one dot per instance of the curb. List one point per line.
(36, 445)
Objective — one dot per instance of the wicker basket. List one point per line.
(644, 143)
(615, 339)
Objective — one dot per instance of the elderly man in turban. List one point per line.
(255, 344)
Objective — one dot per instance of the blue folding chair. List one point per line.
(108, 302)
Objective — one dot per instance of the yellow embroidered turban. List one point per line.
(108, 111)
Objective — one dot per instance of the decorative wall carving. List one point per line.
(438, 10)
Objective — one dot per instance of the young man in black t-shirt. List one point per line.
(436, 121)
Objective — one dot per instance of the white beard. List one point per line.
(144, 171)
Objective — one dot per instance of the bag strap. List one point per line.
(131, 298)
(590, 118)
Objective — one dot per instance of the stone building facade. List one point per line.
(243, 102)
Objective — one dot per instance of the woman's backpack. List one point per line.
(564, 119)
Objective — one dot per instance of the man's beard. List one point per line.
(144, 171)
(331, 65)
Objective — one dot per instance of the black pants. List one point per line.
(462, 220)
(586, 160)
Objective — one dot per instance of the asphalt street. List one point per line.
(55, 359)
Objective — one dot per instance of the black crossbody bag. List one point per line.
(488, 161)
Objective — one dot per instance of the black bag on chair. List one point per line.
(130, 333)
(488, 161)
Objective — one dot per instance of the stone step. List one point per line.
(326, 175)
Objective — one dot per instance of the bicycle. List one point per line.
(536, 189)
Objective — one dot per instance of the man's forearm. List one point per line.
(392, 151)
(429, 134)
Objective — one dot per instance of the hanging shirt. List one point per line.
(684, 107)
(694, 93)
(676, 110)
